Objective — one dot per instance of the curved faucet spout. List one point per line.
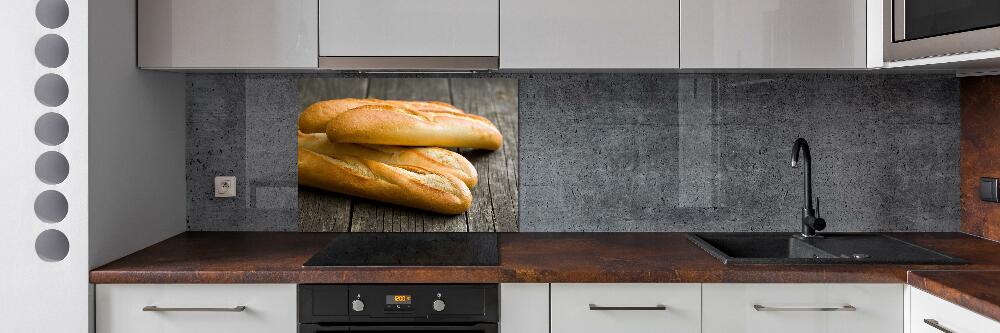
(807, 188)
(800, 144)
(810, 222)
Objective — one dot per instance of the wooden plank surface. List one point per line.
(494, 205)
(396, 218)
(321, 210)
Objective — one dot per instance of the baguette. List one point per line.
(315, 117)
(402, 185)
(436, 160)
(391, 125)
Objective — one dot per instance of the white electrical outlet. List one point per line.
(225, 187)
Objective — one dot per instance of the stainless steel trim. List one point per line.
(957, 43)
(658, 307)
(935, 324)
(848, 307)
(154, 308)
(410, 63)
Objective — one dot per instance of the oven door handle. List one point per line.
(485, 328)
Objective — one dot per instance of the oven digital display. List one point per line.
(398, 299)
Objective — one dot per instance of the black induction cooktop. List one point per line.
(409, 249)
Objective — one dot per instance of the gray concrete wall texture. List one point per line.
(640, 152)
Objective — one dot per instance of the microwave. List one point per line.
(915, 29)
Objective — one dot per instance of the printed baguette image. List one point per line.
(407, 155)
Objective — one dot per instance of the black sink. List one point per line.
(834, 248)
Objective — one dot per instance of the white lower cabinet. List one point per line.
(524, 308)
(802, 308)
(930, 314)
(196, 308)
(625, 308)
(569, 307)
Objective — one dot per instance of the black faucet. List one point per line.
(810, 221)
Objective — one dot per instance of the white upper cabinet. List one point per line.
(406, 28)
(509, 34)
(777, 34)
(227, 34)
(570, 34)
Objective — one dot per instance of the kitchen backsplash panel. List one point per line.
(712, 152)
(638, 152)
(243, 126)
(492, 202)
(981, 149)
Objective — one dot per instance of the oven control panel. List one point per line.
(398, 303)
(420, 300)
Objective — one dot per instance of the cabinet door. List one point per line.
(406, 28)
(802, 308)
(773, 34)
(930, 314)
(524, 308)
(189, 308)
(589, 34)
(626, 308)
(227, 33)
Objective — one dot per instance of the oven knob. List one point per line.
(358, 305)
(438, 305)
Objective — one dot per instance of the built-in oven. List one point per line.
(385, 308)
(928, 28)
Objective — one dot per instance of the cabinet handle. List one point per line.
(935, 324)
(595, 307)
(159, 309)
(848, 307)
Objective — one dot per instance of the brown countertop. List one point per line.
(978, 291)
(271, 257)
(263, 257)
(274, 257)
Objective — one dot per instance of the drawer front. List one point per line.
(269, 308)
(946, 315)
(795, 308)
(571, 310)
(406, 28)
